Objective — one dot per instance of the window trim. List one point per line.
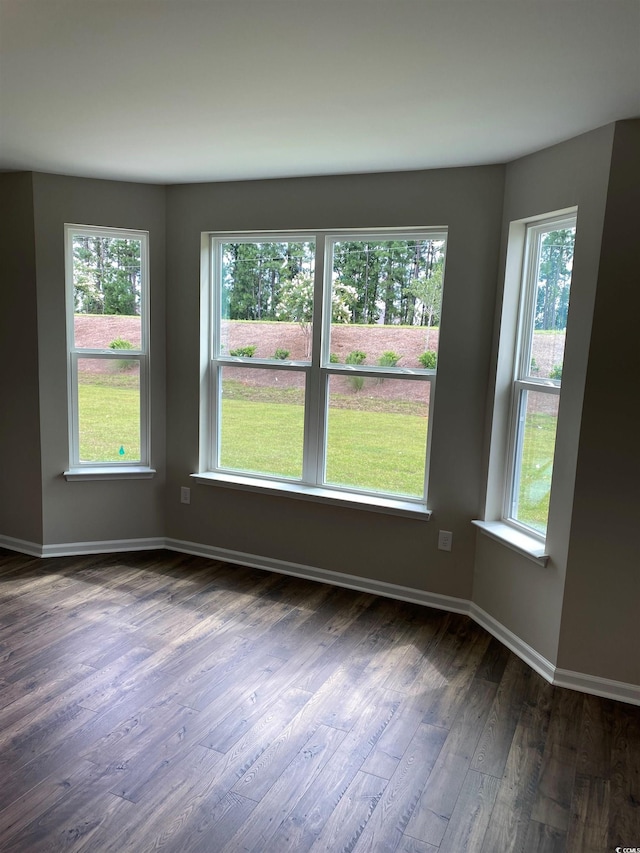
(317, 372)
(138, 469)
(522, 379)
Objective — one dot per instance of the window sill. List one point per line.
(125, 472)
(521, 543)
(387, 506)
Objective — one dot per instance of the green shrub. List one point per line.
(428, 359)
(282, 354)
(122, 344)
(333, 358)
(389, 358)
(556, 372)
(244, 352)
(356, 356)
(534, 366)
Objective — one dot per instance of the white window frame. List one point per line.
(512, 375)
(317, 372)
(138, 469)
(523, 379)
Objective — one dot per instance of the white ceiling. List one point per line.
(177, 91)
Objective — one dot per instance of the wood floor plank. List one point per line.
(18, 699)
(595, 744)
(590, 815)
(389, 819)
(472, 814)
(494, 662)
(25, 809)
(544, 839)
(425, 688)
(300, 830)
(552, 805)
(444, 706)
(431, 816)
(169, 808)
(495, 741)
(351, 815)
(624, 818)
(515, 800)
(412, 845)
(67, 823)
(274, 807)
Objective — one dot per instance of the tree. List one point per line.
(106, 275)
(554, 279)
(428, 290)
(253, 273)
(296, 304)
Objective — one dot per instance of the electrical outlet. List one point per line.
(445, 540)
(185, 495)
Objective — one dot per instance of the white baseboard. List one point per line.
(621, 691)
(33, 549)
(518, 646)
(582, 682)
(108, 546)
(312, 573)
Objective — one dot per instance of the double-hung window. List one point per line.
(108, 346)
(322, 362)
(537, 382)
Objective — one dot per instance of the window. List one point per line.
(322, 360)
(539, 355)
(107, 334)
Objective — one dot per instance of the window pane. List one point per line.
(535, 447)
(386, 301)
(551, 302)
(267, 300)
(106, 292)
(377, 434)
(109, 410)
(262, 421)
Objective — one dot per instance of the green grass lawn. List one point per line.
(109, 416)
(262, 437)
(535, 476)
(380, 450)
(377, 451)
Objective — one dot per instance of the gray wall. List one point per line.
(117, 509)
(20, 480)
(600, 615)
(381, 547)
(523, 596)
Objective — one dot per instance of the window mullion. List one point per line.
(313, 454)
(74, 426)
(432, 388)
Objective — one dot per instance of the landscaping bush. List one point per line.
(389, 358)
(333, 358)
(244, 352)
(282, 354)
(428, 359)
(356, 356)
(556, 372)
(122, 344)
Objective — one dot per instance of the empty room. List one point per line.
(319, 506)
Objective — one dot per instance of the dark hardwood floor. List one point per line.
(158, 701)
